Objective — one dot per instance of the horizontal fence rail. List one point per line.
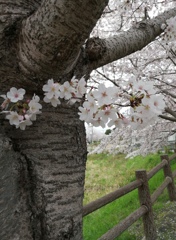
(156, 169)
(127, 222)
(92, 206)
(172, 157)
(146, 200)
(160, 189)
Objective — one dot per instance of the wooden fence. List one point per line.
(146, 200)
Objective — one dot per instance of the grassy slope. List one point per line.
(106, 173)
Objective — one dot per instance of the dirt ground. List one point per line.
(165, 222)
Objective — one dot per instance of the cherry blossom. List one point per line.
(14, 118)
(15, 95)
(158, 102)
(155, 103)
(66, 90)
(81, 88)
(26, 122)
(91, 104)
(54, 101)
(117, 122)
(34, 108)
(144, 87)
(106, 114)
(51, 89)
(34, 105)
(85, 114)
(98, 122)
(74, 82)
(103, 95)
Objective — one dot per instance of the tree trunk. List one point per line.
(43, 167)
(42, 177)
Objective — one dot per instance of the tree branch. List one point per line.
(128, 42)
(169, 93)
(172, 119)
(51, 38)
(168, 110)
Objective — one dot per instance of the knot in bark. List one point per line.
(95, 48)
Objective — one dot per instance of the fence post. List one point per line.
(168, 172)
(145, 199)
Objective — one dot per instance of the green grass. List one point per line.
(106, 173)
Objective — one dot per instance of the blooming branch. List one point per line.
(100, 106)
(18, 111)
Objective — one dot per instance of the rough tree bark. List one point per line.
(42, 168)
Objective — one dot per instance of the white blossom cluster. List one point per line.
(100, 108)
(146, 104)
(18, 111)
(72, 91)
(22, 112)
